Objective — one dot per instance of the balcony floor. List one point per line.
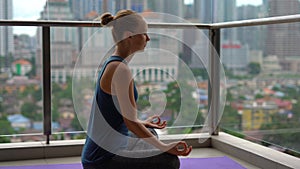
(198, 152)
(248, 154)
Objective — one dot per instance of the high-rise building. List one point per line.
(24, 46)
(235, 56)
(208, 11)
(253, 36)
(6, 33)
(81, 9)
(283, 39)
(64, 41)
(173, 7)
(226, 12)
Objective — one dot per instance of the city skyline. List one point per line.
(32, 12)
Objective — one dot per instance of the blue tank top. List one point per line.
(106, 128)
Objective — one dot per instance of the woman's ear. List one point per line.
(127, 34)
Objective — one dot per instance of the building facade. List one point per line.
(235, 57)
(283, 39)
(6, 33)
(64, 41)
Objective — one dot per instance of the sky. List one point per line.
(27, 10)
(30, 10)
(245, 2)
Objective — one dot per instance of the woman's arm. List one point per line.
(122, 85)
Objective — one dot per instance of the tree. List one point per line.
(32, 91)
(200, 72)
(143, 100)
(1, 106)
(254, 68)
(76, 125)
(32, 72)
(173, 97)
(29, 110)
(259, 96)
(60, 92)
(288, 139)
(2, 62)
(5, 129)
(230, 119)
(180, 100)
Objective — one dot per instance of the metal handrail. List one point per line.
(214, 36)
(231, 24)
(258, 22)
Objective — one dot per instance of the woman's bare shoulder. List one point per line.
(118, 67)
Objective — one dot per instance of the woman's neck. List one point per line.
(123, 52)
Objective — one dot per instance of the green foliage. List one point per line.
(5, 126)
(79, 136)
(30, 110)
(234, 133)
(289, 138)
(31, 90)
(181, 102)
(229, 96)
(32, 72)
(259, 96)
(1, 107)
(254, 68)
(296, 109)
(59, 136)
(173, 97)
(76, 125)
(230, 119)
(60, 92)
(4, 139)
(230, 75)
(200, 73)
(2, 62)
(143, 100)
(290, 93)
(200, 119)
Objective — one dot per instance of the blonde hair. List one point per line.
(124, 20)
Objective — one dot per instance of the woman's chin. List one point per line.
(140, 51)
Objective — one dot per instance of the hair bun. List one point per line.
(106, 18)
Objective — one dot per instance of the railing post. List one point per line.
(214, 82)
(46, 82)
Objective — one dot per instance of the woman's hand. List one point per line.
(178, 148)
(155, 122)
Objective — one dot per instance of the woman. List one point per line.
(116, 137)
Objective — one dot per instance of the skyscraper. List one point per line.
(64, 41)
(81, 8)
(225, 12)
(253, 36)
(283, 39)
(6, 32)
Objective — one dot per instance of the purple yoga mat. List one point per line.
(186, 163)
(209, 163)
(46, 166)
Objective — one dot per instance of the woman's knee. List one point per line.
(175, 162)
(171, 161)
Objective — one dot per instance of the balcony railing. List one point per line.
(214, 65)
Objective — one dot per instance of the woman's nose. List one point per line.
(147, 37)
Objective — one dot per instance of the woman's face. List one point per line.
(140, 38)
